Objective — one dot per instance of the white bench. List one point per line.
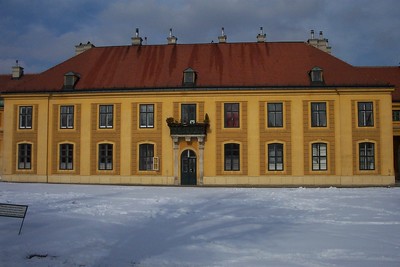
(15, 211)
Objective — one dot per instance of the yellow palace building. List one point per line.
(242, 114)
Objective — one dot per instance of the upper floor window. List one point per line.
(147, 116)
(188, 113)
(24, 156)
(25, 117)
(146, 155)
(365, 114)
(231, 115)
(67, 117)
(316, 75)
(232, 157)
(318, 114)
(105, 156)
(319, 157)
(275, 157)
(66, 156)
(106, 116)
(367, 156)
(396, 115)
(275, 114)
(189, 77)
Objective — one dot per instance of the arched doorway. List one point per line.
(188, 167)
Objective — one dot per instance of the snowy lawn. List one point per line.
(82, 225)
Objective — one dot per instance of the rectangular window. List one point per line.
(365, 114)
(319, 157)
(231, 113)
(275, 114)
(396, 115)
(367, 156)
(318, 114)
(146, 155)
(66, 156)
(105, 157)
(24, 156)
(232, 157)
(67, 117)
(275, 157)
(106, 116)
(146, 116)
(25, 117)
(188, 113)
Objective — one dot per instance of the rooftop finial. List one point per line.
(171, 39)
(222, 38)
(312, 34)
(261, 36)
(137, 40)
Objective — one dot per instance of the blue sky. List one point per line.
(43, 33)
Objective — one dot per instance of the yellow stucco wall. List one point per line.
(253, 135)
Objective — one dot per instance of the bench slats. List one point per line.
(13, 210)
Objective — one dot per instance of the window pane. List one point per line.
(231, 115)
(188, 113)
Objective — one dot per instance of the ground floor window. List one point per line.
(66, 156)
(105, 156)
(146, 155)
(275, 157)
(319, 157)
(24, 156)
(367, 156)
(232, 157)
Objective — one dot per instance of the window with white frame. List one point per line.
(231, 115)
(275, 157)
(146, 115)
(275, 114)
(24, 156)
(318, 114)
(106, 116)
(105, 157)
(66, 156)
(319, 157)
(367, 156)
(25, 117)
(146, 155)
(365, 114)
(232, 157)
(67, 117)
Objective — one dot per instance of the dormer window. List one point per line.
(189, 77)
(70, 80)
(316, 75)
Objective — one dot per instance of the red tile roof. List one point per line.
(281, 64)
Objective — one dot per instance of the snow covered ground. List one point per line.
(82, 225)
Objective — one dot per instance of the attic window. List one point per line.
(316, 75)
(189, 77)
(70, 80)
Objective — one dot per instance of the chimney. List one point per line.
(320, 43)
(261, 36)
(171, 39)
(80, 48)
(17, 71)
(137, 40)
(222, 38)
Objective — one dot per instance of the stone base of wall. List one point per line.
(273, 181)
(375, 180)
